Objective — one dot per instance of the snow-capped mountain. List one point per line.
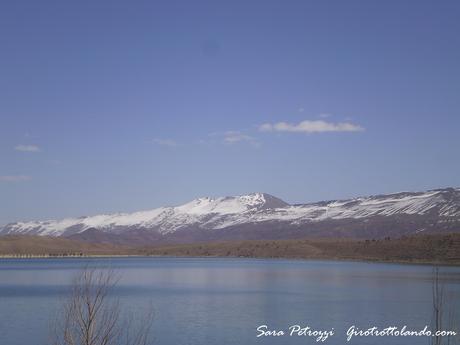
(261, 215)
(210, 212)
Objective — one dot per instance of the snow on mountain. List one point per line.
(218, 213)
(166, 219)
(230, 205)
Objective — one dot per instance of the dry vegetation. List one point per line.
(417, 249)
(420, 249)
(54, 246)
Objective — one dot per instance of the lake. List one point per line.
(223, 301)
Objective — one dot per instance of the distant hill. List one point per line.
(260, 216)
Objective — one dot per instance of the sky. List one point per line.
(109, 105)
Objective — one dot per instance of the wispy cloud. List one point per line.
(236, 136)
(27, 148)
(165, 142)
(14, 178)
(232, 137)
(308, 126)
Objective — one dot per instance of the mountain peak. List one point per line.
(231, 204)
(262, 201)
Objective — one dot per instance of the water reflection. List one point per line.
(222, 301)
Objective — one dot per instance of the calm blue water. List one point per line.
(223, 301)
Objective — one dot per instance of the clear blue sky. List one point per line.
(126, 105)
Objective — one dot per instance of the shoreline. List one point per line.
(441, 249)
(331, 259)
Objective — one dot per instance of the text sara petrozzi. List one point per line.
(322, 335)
(296, 330)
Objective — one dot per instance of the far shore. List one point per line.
(420, 249)
(95, 257)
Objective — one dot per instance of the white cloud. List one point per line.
(27, 148)
(236, 136)
(324, 115)
(165, 142)
(231, 137)
(14, 178)
(266, 127)
(308, 126)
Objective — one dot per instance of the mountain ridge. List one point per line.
(261, 215)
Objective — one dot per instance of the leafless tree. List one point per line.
(91, 316)
(444, 317)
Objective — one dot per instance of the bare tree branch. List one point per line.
(90, 316)
(443, 307)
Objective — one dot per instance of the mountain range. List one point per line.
(262, 216)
